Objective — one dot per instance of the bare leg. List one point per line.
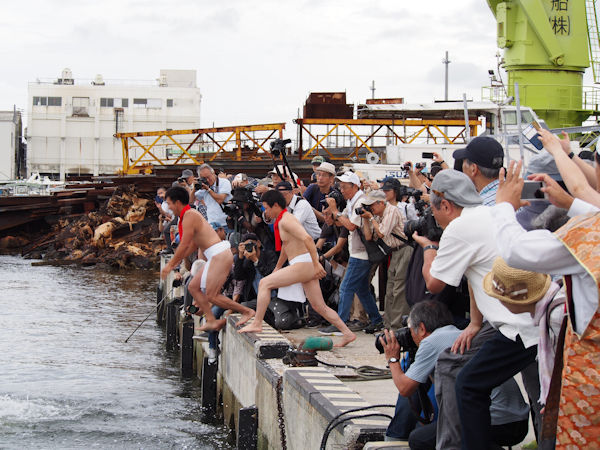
(227, 303)
(283, 277)
(312, 289)
(201, 301)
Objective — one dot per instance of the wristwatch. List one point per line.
(338, 215)
(430, 247)
(571, 155)
(393, 360)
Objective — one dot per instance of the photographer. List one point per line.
(384, 221)
(251, 264)
(430, 330)
(468, 248)
(300, 208)
(315, 193)
(213, 191)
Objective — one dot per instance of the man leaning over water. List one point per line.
(196, 234)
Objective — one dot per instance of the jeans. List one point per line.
(356, 281)
(213, 336)
(403, 422)
(498, 359)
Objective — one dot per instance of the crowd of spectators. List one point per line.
(493, 286)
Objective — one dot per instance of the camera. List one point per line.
(403, 337)
(200, 183)
(250, 246)
(192, 309)
(181, 180)
(425, 225)
(420, 165)
(340, 201)
(278, 146)
(361, 209)
(234, 209)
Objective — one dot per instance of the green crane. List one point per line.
(548, 45)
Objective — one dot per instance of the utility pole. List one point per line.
(446, 62)
(372, 88)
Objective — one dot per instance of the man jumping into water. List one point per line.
(298, 247)
(206, 286)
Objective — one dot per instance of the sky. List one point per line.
(256, 61)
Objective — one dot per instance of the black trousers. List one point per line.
(498, 359)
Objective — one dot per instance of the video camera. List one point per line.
(278, 146)
(235, 207)
(404, 338)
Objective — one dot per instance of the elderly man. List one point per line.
(316, 192)
(300, 208)
(214, 192)
(482, 159)
(468, 248)
(356, 279)
(384, 221)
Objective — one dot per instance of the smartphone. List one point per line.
(532, 191)
(427, 155)
(532, 135)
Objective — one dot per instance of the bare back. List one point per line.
(203, 235)
(292, 235)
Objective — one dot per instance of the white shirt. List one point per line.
(541, 251)
(355, 246)
(300, 208)
(214, 212)
(165, 207)
(408, 210)
(468, 247)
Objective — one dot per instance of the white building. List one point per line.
(10, 144)
(71, 122)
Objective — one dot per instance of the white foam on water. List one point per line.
(13, 409)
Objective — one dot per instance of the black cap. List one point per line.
(484, 151)
(284, 186)
(390, 184)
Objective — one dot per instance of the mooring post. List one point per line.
(248, 428)
(209, 387)
(187, 349)
(160, 310)
(171, 325)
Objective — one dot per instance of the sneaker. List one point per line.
(330, 331)
(373, 328)
(356, 325)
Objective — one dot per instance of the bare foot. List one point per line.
(246, 317)
(213, 326)
(251, 328)
(346, 339)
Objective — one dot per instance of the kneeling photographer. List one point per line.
(251, 264)
(429, 331)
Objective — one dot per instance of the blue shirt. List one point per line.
(488, 193)
(214, 211)
(429, 350)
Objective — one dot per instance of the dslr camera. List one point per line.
(200, 183)
(340, 201)
(250, 246)
(361, 209)
(425, 226)
(403, 337)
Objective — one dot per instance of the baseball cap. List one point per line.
(543, 162)
(374, 196)
(349, 177)
(284, 186)
(240, 177)
(327, 167)
(456, 187)
(187, 173)
(317, 160)
(390, 184)
(484, 151)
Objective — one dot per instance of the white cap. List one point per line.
(349, 177)
(327, 167)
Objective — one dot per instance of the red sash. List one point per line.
(180, 224)
(276, 228)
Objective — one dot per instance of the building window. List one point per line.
(107, 102)
(124, 102)
(169, 103)
(40, 101)
(80, 106)
(54, 101)
(140, 102)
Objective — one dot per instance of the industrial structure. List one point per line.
(72, 122)
(547, 47)
(12, 147)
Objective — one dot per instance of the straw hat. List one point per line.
(518, 287)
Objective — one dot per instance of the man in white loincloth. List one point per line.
(304, 269)
(206, 286)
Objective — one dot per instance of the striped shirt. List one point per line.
(488, 193)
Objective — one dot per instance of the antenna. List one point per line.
(446, 62)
